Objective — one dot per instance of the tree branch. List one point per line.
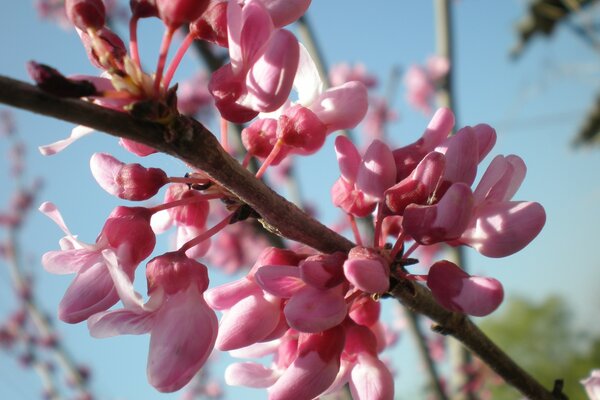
(191, 142)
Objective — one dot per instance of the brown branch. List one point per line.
(191, 142)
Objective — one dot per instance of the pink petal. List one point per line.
(256, 350)
(257, 28)
(91, 291)
(307, 82)
(371, 379)
(462, 156)
(284, 12)
(250, 374)
(501, 179)
(123, 284)
(457, 291)
(486, 139)
(120, 322)
(234, 30)
(50, 210)
(504, 228)
(269, 81)
(69, 261)
(306, 378)
(446, 220)
(247, 322)
(348, 158)
(182, 338)
(281, 281)
(77, 133)
(105, 169)
(377, 172)
(139, 149)
(227, 295)
(369, 275)
(342, 107)
(438, 129)
(314, 310)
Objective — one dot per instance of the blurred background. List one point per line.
(530, 69)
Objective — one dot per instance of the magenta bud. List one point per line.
(139, 183)
(174, 272)
(50, 80)
(143, 8)
(86, 14)
(175, 13)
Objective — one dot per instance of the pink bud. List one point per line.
(175, 13)
(174, 272)
(86, 14)
(365, 311)
(130, 226)
(143, 8)
(323, 271)
(126, 181)
(300, 129)
(367, 270)
(260, 137)
(139, 149)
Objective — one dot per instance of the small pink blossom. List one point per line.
(176, 316)
(592, 385)
(126, 234)
(457, 291)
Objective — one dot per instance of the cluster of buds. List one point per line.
(318, 314)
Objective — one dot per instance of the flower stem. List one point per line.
(187, 42)
(162, 57)
(207, 234)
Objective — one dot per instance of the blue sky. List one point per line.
(536, 104)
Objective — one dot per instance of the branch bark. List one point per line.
(191, 142)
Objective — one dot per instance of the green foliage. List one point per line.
(541, 339)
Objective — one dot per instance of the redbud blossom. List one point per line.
(175, 13)
(592, 385)
(126, 181)
(457, 291)
(176, 316)
(86, 14)
(126, 233)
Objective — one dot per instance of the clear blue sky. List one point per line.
(536, 104)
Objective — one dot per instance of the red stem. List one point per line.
(162, 57)
(187, 42)
(206, 234)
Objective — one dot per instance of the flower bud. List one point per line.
(86, 14)
(175, 13)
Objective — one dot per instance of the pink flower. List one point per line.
(126, 181)
(592, 385)
(182, 327)
(250, 315)
(500, 227)
(343, 72)
(421, 82)
(363, 180)
(457, 291)
(263, 64)
(126, 234)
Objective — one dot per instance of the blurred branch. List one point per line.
(41, 322)
(192, 143)
(542, 18)
(589, 133)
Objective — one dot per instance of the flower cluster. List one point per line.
(317, 314)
